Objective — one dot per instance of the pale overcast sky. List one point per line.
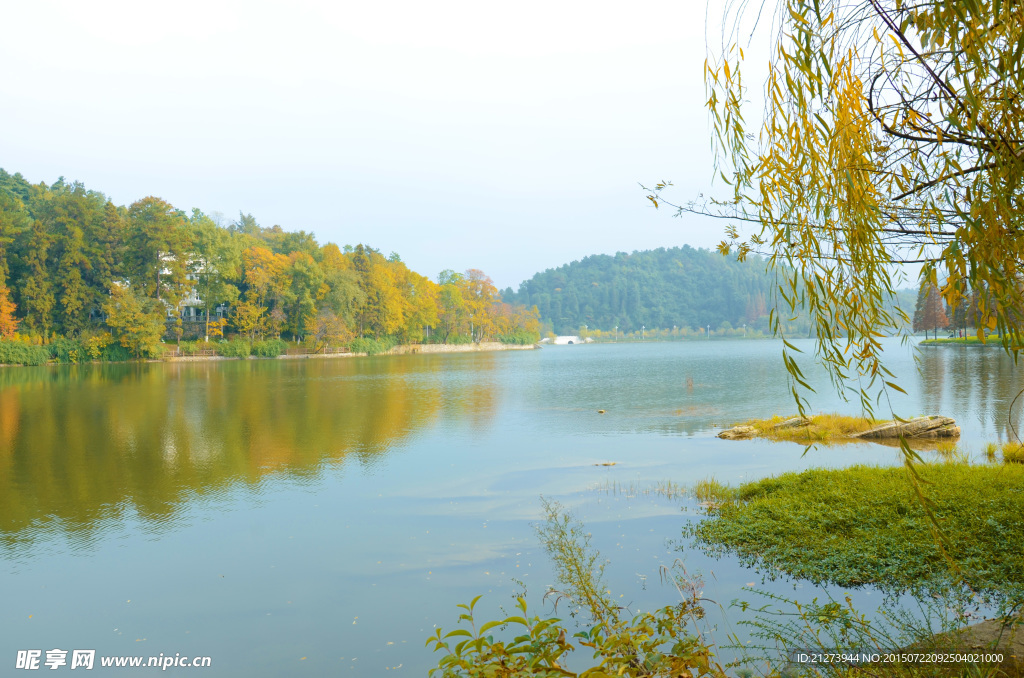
(506, 137)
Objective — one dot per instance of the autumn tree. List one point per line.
(159, 251)
(381, 282)
(892, 132)
(930, 313)
(451, 309)
(218, 262)
(304, 288)
(326, 328)
(8, 323)
(480, 294)
(37, 298)
(248, 318)
(344, 294)
(265, 281)
(14, 221)
(420, 305)
(136, 320)
(68, 212)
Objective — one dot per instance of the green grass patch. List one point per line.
(1013, 453)
(992, 340)
(865, 526)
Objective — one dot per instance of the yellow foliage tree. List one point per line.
(137, 321)
(480, 295)
(248, 318)
(8, 323)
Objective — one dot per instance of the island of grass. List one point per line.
(835, 428)
(866, 525)
(992, 340)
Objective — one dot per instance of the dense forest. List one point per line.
(680, 290)
(75, 267)
(662, 288)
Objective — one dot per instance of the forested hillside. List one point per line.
(76, 267)
(660, 288)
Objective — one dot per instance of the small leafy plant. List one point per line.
(660, 643)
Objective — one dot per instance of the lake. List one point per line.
(321, 517)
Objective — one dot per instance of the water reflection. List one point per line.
(977, 384)
(83, 446)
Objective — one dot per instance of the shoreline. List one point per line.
(401, 349)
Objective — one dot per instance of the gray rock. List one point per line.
(795, 422)
(922, 427)
(738, 432)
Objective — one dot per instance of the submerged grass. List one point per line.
(664, 488)
(864, 525)
(950, 453)
(711, 491)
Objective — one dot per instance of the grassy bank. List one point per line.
(865, 525)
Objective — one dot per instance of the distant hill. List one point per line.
(660, 288)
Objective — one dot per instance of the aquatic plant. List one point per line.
(950, 453)
(665, 642)
(865, 525)
(1013, 453)
(711, 491)
(784, 628)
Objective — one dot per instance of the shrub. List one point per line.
(188, 346)
(64, 350)
(371, 346)
(236, 348)
(21, 353)
(520, 337)
(271, 348)
(114, 352)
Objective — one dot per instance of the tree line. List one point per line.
(663, 288)
(932, 312)
(73, 265)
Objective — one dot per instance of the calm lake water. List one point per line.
(321, 517)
